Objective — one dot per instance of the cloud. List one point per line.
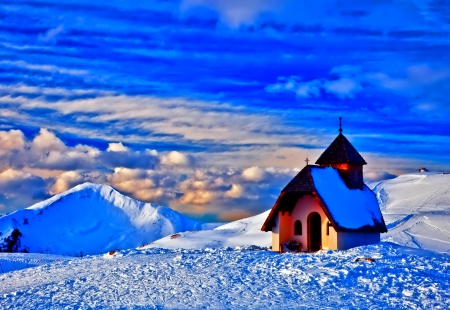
(234, 12)
(253, 174)
(175, 158)
(51, 35)
(362, 14)
(11, 140)
(234, 215)
(197, 197)
(22, 186)
(166, 119)
(66, 181)
(375, 176)
(117, 147)
(137, 183)
(44, 68)
(47, 141)
(236, 191)
(344, 87)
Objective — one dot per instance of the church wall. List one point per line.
(276, 235)
(302, 209)
(332, 240)
(285, 230)
(347, 240)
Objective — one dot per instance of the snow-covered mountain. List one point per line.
(416, 209)
(89, 219)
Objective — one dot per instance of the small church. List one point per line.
(327, 205)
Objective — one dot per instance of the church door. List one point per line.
(314, 231)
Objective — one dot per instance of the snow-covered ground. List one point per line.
(219, 269)
(399, 278)
(239, 233)
(90, 219)
(416, 209)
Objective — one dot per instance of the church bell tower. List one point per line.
(345, 158)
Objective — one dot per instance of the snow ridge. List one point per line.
(90, 219)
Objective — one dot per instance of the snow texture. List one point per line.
(91, 219)
(231, 269)
(416, 208)
(399, 278)
(350, 208)
(240, 233)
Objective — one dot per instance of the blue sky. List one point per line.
(209, 106)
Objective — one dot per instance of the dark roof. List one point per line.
(341, 151)
(303, 184)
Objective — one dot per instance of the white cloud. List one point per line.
(11, 140)
(343, 88)
(47, 141)
(373, 176)
(138, 183)
(117, 147)
(51, 35)
(197, 197)
(66, 181)
(175, 158)
(172, 119)
(254, 174)
(41, 67)
(236, 191)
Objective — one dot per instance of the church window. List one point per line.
(298, 228)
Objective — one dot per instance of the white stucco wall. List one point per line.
(283, 231)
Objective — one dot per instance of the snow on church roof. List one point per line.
(347, 209)
(351, 209)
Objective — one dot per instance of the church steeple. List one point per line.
(343, 156)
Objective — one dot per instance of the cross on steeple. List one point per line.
(340, 124)
(307, 160)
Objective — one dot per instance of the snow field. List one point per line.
(416, 209)
(400, 278)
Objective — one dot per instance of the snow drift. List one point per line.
(239, 233)
(416, 209)
(89, 219)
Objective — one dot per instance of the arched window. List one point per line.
(298, 228)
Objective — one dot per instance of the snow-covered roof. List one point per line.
(351, 209)
(347, 209)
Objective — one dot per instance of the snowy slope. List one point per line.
(399, 278)
(89, 219)
(416, 209)
(243, 232)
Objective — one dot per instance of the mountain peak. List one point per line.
(91, 218)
